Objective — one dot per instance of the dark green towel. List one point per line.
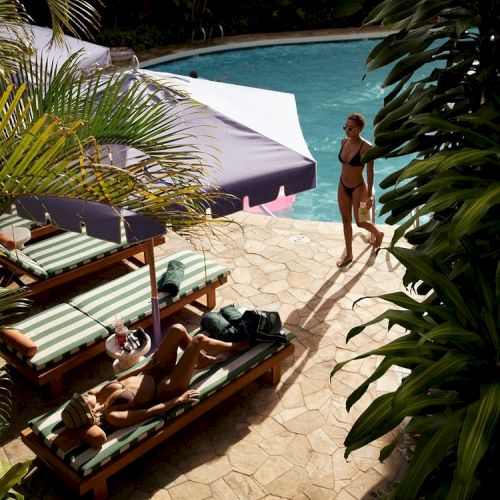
(219, 328)
(215, 324)
(232, 314)
(171, 279)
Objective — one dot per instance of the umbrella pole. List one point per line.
(155, 307)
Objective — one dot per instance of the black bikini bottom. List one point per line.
(349, 190)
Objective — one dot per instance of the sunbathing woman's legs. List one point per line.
(196, 349)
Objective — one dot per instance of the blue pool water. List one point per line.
(327, 80)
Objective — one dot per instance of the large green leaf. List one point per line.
(10, 475)
(430, 451)
(474, 209)
(452, 332)
(481, 422)
(422, 266)
(407, 319)
(427, 376)
(378, 419)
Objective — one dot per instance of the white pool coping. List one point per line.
(182, 54)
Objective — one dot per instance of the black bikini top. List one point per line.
(355, 161)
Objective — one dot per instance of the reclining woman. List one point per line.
(148, 391)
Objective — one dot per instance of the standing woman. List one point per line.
(352, 187)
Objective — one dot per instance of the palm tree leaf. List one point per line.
(378, 419)
(77, 17)
(408, 65)
(381, 417)
(399, 352)
(444, 125)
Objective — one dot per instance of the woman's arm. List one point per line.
(370, 174)
(125, 418)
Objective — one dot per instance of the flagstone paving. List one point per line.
(265, 442)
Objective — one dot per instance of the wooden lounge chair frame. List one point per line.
(52, 375)
(38, 286)
(97, 481)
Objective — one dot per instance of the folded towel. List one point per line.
(215, 324)
(219, 328)
(232, 314)
(171, 279)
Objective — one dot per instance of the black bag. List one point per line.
(263, 326)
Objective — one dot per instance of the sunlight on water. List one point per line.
(327, 80)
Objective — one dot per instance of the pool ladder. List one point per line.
(203, 32)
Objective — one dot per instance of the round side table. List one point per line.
(122, 358)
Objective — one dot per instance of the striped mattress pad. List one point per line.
(58, 332)
(129, 296)
(12, 219)
(61, 253)
(67, 251)
(86, 460)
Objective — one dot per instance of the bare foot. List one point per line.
(344, 260)
(205, 360)
(378, 240)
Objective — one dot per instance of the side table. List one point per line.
(122, 358)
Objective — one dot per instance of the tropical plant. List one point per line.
(450, 119)
(11, 304)
(55, 125)
(56, 130)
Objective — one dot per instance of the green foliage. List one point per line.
(142, 37)
(10, 475)
(11, 305)
(450, 118)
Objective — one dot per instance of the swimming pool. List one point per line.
(326, 79)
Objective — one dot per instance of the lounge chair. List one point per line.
(69, 334)
(87, 469)
(63, 258)
(37, 230)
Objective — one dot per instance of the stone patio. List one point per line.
(265, 442)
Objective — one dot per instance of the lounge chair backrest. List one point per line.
(21, 260)
(67, 251)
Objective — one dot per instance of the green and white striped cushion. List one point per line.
(59, 332)
(23, 261)
(66, 251)
(129, 296)
(8, 220)
(86, 460)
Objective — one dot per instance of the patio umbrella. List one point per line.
(253, 134)
(92, 55)
(250, 138)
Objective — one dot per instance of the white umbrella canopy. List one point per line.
(254, 135)
(92, 55)
(249, 140)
